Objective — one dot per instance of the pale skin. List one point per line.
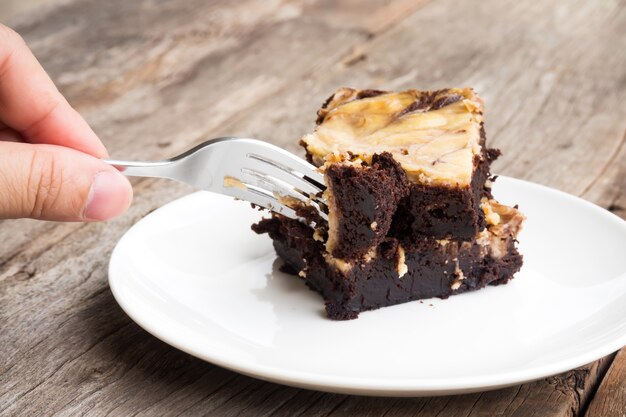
(50, 159)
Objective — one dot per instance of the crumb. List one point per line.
(234, 182)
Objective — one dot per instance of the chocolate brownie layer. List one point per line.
(444, 212)
(397, 273)
(363, 200)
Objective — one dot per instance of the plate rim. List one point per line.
(369, 385)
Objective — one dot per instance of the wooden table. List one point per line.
(156, 77)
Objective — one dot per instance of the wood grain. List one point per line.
(610, 400)
(155, 77)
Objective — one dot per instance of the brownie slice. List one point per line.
(396, 272)
(438, 139)
(363, 200)
(410, 209)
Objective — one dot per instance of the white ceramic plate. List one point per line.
(194, 275)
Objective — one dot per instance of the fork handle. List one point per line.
(157, 169)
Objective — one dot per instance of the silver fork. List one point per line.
(247, 169)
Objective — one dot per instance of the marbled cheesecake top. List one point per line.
(434, 135)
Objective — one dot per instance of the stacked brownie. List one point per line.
(410, 210)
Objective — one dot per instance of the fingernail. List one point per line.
(109, 196)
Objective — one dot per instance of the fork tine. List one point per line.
(269, 167)
(287, 162)
(284, 173)
(280, 188)
(274, 154)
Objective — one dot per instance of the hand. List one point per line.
(49, 157)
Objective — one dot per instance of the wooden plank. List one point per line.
(610, 400)
(607, 187)
(202, 69)
(369, 16)
(541, 398)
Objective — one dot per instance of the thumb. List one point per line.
(56, 183)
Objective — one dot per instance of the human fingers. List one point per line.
(56, 183)
(31, 104)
